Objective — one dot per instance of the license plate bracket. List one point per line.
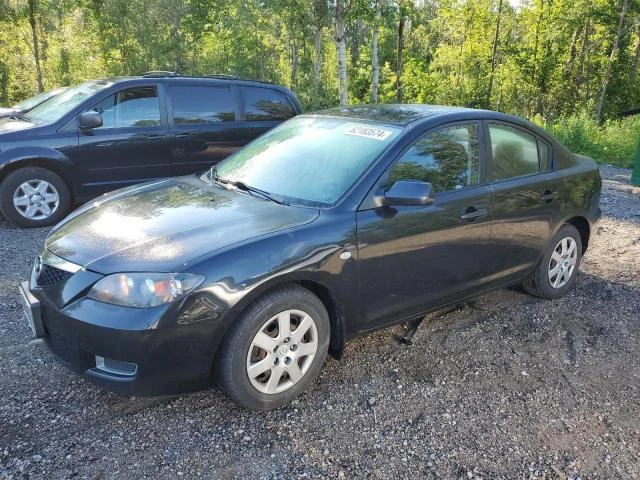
(32, 310)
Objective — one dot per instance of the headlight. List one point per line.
(144, 289)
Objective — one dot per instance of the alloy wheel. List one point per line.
(36, 199)
(282, 351)
(563, 262)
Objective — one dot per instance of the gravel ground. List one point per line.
(507, 386)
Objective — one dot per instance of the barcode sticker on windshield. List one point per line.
(369, 132)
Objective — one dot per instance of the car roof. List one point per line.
(406, 114)
(186, 78)
(395, 114)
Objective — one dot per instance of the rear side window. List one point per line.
(201, 104)
(133, 107)
(515, 153)
(447, 158)
(265, 104)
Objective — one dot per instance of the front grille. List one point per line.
(49, 276)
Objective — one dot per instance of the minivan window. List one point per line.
(515, 153)
(309, 161)
(447, 158)
(133, 107)
(265, 104)
(194, 104)
(57, 107)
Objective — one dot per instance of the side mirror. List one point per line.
(409, 192)
(89, 120)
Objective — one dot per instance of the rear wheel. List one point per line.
(34, 197)
(276, 349)
(557, 270)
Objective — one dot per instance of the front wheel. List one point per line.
(34, 197)
(276, 349)
(556, 272)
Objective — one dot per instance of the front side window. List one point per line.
(309, 161)
(265, 104)
(194, 104)
(446, 158)
(515, 153)
(133, 107)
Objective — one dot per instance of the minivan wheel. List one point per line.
(34, 197)
(276, 349)
(556, 272)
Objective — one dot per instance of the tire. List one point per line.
(542, 282)
(258, 391)
(53, 199)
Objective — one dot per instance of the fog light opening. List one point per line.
(116, 367)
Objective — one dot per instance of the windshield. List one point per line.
(309, 160)
(29, 103)
(58, 106)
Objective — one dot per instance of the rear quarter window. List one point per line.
(262, 104)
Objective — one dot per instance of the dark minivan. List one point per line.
(110, 133)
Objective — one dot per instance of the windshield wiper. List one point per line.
(247, 188)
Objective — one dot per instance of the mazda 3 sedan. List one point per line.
(329, 226)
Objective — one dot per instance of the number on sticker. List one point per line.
(368, 132)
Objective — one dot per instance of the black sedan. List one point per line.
(329, 226)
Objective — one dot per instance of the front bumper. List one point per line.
(172, 346)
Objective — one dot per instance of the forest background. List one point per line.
(570, 65)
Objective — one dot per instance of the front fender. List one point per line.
(35, 156)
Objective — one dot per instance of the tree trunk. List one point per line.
(294, 60)
(494, 53)
(571, 60)
(342, 52)
(535, 43)
(612, 57)
(320, 18)
(32, 4)
(317, 70)
(577, 81)
(375, 62)
(401, 24)
(636, 58)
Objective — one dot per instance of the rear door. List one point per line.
(526, 197)
(414, 257)
(132, 144)
(205, 124)
(265, 108)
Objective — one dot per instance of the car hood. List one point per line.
(13, 125)
(166, 225)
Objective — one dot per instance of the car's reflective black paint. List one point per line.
(371, 264)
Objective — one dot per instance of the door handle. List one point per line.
(154, 137)
(182, 136)
(472, 213)
(548, 196)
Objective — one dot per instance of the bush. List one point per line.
(612, 142)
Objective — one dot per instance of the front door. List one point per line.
(414, 257)
(131, 145)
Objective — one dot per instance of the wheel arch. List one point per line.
(59, 165)
(329, 300)
(584, 229)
